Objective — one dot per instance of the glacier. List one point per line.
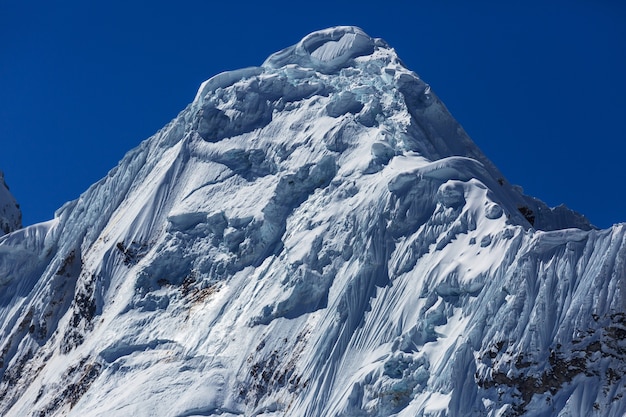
(315, 236)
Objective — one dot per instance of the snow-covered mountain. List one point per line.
(10, 214)
(316, 236)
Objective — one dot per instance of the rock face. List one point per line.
(10, 214)
(313, 237)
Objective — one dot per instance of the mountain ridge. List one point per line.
(315, 236)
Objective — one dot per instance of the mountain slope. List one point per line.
(10, 214)
(313, 237)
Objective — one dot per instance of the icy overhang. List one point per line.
(326, 50)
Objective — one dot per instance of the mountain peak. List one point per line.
(326, 50)
(316, 236)
(358, 81)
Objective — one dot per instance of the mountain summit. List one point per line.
(316, 236)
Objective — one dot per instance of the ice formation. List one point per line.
(316, 236)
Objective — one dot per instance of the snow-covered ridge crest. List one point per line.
(325, 51)
(316, 236)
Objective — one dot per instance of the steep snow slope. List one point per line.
(313, 237)
(10, 214)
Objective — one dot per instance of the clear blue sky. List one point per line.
(541, 88)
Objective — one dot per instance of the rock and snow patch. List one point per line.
(10, 214)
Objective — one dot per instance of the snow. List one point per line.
(325, 50)
(314, 236)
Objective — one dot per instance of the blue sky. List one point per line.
(541, 88)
